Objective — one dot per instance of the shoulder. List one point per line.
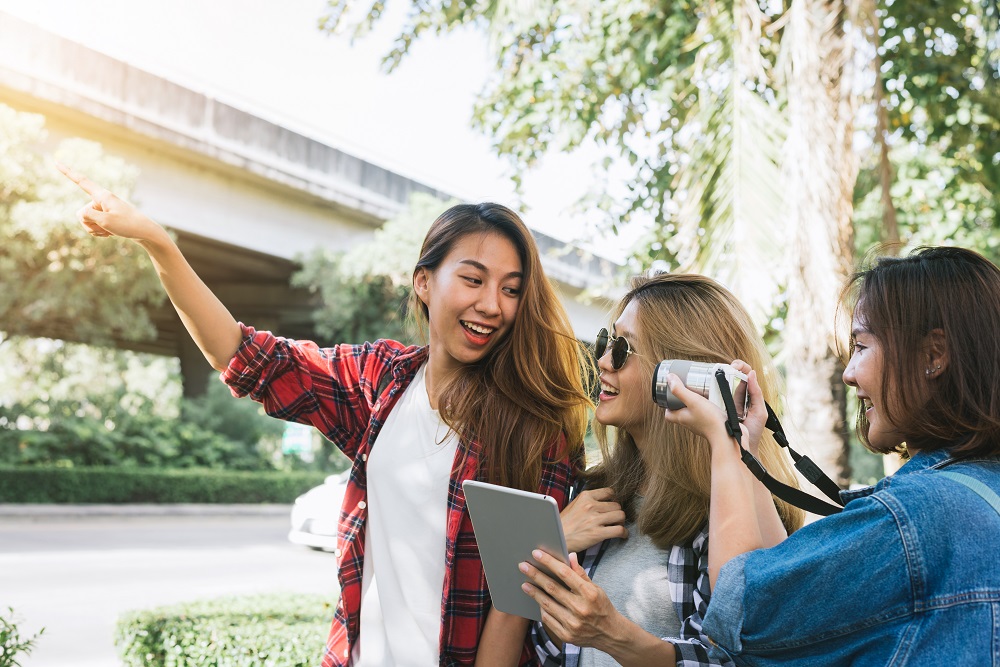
(935, 494)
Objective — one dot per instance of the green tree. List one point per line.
(737, 122)
(363, 291)
(55, 280)
(75, 404)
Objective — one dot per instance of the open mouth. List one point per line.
(477, 332)
(608, 390)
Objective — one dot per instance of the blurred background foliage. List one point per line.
(692, 103)
(364, 291)
(56, 280)
(704, 109)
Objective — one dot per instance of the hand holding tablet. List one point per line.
(509, 525)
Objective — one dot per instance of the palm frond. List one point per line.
(730, 221)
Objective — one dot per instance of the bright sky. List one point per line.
(269, 55)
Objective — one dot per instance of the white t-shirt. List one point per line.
(403, 578)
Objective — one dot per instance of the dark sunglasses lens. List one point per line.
(619, 353)
(601, 344)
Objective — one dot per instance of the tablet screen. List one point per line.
(509, 524)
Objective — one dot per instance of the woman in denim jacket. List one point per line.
(909, 572)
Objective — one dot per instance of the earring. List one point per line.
(930, 371)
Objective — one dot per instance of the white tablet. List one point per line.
(509, 524)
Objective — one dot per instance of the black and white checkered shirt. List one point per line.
(689, 589)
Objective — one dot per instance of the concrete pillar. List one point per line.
(195, 369)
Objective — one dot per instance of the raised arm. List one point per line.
(733, 526)
(772, 531)
(209, 322)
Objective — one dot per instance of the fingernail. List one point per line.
(523, 567)
(526, 587)
(536, 554)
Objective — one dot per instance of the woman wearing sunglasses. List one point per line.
(416, 421)
(638, 599)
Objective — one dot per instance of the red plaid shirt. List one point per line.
(334, 390)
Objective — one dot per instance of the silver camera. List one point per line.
(700, 378)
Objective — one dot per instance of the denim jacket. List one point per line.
(908, 574)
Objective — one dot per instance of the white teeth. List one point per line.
(478, 329)
(608, 390)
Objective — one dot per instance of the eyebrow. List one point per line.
(859, 330)
(625, 333)
(482, 267)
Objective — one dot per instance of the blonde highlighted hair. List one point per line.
(683, 316)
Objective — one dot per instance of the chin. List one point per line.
(882, 445)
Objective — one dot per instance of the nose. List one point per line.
(604, 361)
(849, 374)
(489, 302)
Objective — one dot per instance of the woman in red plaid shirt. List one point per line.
(498, 394)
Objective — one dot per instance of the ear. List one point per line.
(935, 353)
(421, 284)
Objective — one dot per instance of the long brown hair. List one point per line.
(683, 316)
(531, 386)
(901, 300)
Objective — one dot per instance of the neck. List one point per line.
(435, 373)
(642, 444)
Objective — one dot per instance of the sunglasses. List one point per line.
(620, 348)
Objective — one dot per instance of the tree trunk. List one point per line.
(821, 173)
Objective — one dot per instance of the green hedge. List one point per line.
(284, 630)
(131, 485)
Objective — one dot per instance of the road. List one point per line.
(75, 574)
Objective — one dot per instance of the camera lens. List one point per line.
(661, 390)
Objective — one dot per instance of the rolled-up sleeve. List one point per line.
(328, 388)
(254, 364)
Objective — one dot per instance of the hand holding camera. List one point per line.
(679, 384)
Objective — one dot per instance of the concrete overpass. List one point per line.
(245, 195)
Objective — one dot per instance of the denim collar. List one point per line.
(921, 461)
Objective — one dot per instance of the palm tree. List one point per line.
(791, 164)
(749, 173)
(820, 170)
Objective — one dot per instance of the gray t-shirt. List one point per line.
(633, 573)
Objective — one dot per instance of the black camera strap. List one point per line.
(803, 464)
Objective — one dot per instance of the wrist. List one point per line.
(725, 452)
(618, 637)
(158, 239)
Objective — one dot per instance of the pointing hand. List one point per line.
(108, 215)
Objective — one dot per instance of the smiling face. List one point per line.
(866, 372)
(472, 299)
(625, 401)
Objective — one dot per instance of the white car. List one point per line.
(316, 513)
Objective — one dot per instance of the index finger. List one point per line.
(87, 185)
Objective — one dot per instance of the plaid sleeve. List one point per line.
(547, 651)
(328, 388)
(690, 590)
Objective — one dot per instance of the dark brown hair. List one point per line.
(900, 301)
(683, 316)
(530, 387)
